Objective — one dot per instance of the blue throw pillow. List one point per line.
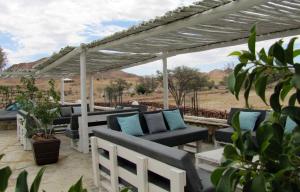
(131, 125)
(77, 110)
(289, 125)
(248, 120)
(174, 119)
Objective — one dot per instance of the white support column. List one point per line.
(62, 91)
(84, 133)
(92, 101)
(165, 83)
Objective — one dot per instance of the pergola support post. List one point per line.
(83, 129)
(62, 91)
(165, 82)
(92, 101)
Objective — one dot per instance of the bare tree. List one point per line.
(114, 91)
(3, 59)
(180, 82)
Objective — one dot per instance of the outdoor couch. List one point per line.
(142, 108)
(95, 120)
(66, 112)
(169, 138)
(144, 165)
(223, 135)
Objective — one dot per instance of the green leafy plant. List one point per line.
(42, 107)
(270, 161)
(22, 184)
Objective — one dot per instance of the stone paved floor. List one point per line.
(58, 177)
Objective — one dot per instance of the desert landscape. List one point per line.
(217, 98)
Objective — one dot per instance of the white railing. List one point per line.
(177, 177)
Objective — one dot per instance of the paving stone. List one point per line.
(58, 177)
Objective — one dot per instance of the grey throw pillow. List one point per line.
(155, 122)
(66, 111)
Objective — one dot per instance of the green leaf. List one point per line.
(259, 184)
(37, 181)
(231, 83)
(263, 56)
(236, 122)
(227, 182)
(292, 99)
(246, 56)
(248, 85)
(296, 81)
(240, 78)
(230, 152)
(238, 68)
(297, 68)
(1, 156)
(293, 112)
(77, 187)
(296, 53)
(279, 54)
(285, 90)
(252, 40)
(21, 185)
(260, 87)
(216, 175)
(235, 53)
(289, 52)
(5, 173)
(263, 135)
(274, 100)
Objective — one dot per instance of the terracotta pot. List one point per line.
(46, 151)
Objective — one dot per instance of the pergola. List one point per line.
(205, 25)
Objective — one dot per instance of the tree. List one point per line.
(146, 85)
(140, 89)
(3, 59)
(114, 91)
(181, 80)
(268, 162)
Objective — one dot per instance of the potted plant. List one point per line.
(270, 161)
(25, 124)
(42, 108)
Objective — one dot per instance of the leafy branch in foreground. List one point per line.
(268, 159)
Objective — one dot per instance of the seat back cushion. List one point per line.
(66, 111)
(155, 122)
(112, 121)
(290, 125)
(77, 110)
(248, 120)
(171, 156)
(174, 119)
(260, 118)
(131, 125)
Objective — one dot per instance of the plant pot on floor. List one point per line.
(45, 151)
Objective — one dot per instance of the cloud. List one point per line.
(41, 27)
(37, 28)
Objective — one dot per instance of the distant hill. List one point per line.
(217, 75)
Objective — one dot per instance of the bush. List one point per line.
(277, 165)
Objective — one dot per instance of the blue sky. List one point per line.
(37, 28)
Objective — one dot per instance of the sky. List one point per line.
(30, 30)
